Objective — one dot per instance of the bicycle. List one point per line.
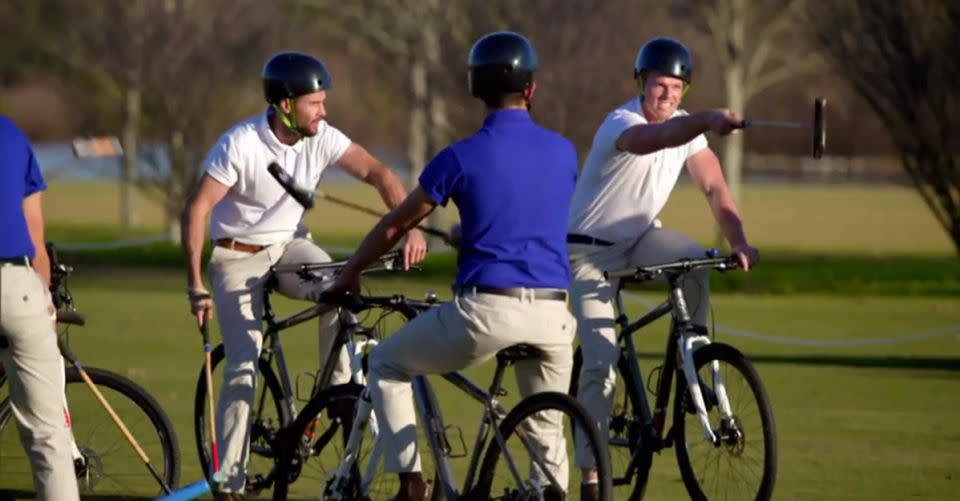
(330, 434)
(104, 466)
(710, 407)
(275, 403)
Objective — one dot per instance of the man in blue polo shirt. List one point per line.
(28, 340)
(512, 182)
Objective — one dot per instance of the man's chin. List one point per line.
(308, 131)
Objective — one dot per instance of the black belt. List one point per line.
(573, 238)
(15, 261)
(516, 292)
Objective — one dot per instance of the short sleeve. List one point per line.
(610, 130)
(441, 178)
(34, 181)
(696, 144)
(335, 144)
(219, 163)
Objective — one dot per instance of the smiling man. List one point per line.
(633, 165)
(255, 224)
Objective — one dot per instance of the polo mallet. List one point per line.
(819, 126)
(305, 198)
(77, 319)
(208, 375)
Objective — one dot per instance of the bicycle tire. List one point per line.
(576, 416)
(314, 443)
(735, 446)
(625, 432)
(262, 430)
(108, 463)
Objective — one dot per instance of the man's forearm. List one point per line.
(647, 138)
(728, 217)
(381, 238)
(390, 187)
(191, 236)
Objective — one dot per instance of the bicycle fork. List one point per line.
(687, 343)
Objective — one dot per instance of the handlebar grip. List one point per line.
(71, 318)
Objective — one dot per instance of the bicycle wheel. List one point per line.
(110, 466)
(525, 478)
(267, 416)
(314, 446)
(625, 428)
(743, 464)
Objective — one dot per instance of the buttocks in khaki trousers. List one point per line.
(466, 331)
(238, 280)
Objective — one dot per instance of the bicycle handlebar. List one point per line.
(683, 266)
(71, 318)
(358, 303)
(392, 260)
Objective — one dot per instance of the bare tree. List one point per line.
(756, 46)
(411, 39)
(901, 56)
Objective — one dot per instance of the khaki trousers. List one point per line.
(464, 332)
(238, 280)
(592, 301)
(35, 373)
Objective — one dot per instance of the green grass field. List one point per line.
(865, 403)
(859, 422)
(861, 220)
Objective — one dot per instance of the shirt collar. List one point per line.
(270, 139)
(501, 117)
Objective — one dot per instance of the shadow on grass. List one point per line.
(880, 362)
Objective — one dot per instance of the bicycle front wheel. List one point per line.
(541, 467)
(742, 463)
(267, 416)
(109, 465)
(314, 447)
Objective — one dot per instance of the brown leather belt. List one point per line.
(517, 292)
(230, 243)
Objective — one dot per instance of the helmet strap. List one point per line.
(289, 120)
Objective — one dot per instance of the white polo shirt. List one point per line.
(256, 209)
(619, 194)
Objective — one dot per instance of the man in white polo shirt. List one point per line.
(633, 165)
(255, 224)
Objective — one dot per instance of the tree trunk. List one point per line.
(131, 121)
(732, 154)
(418, 135)
(174, 196)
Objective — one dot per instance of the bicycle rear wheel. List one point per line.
(314, 446)
(267, 416)
(516, 472)
(110, 466)
(625, 429)
(743, 464)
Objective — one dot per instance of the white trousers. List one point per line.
(238, 280)
(34, 371)
(592, 301)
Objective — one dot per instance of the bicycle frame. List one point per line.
(429, 413)
(681, 343)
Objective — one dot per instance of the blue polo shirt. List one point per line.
(511, 182)
(19, 178)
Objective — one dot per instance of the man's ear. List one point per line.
(286, 105)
